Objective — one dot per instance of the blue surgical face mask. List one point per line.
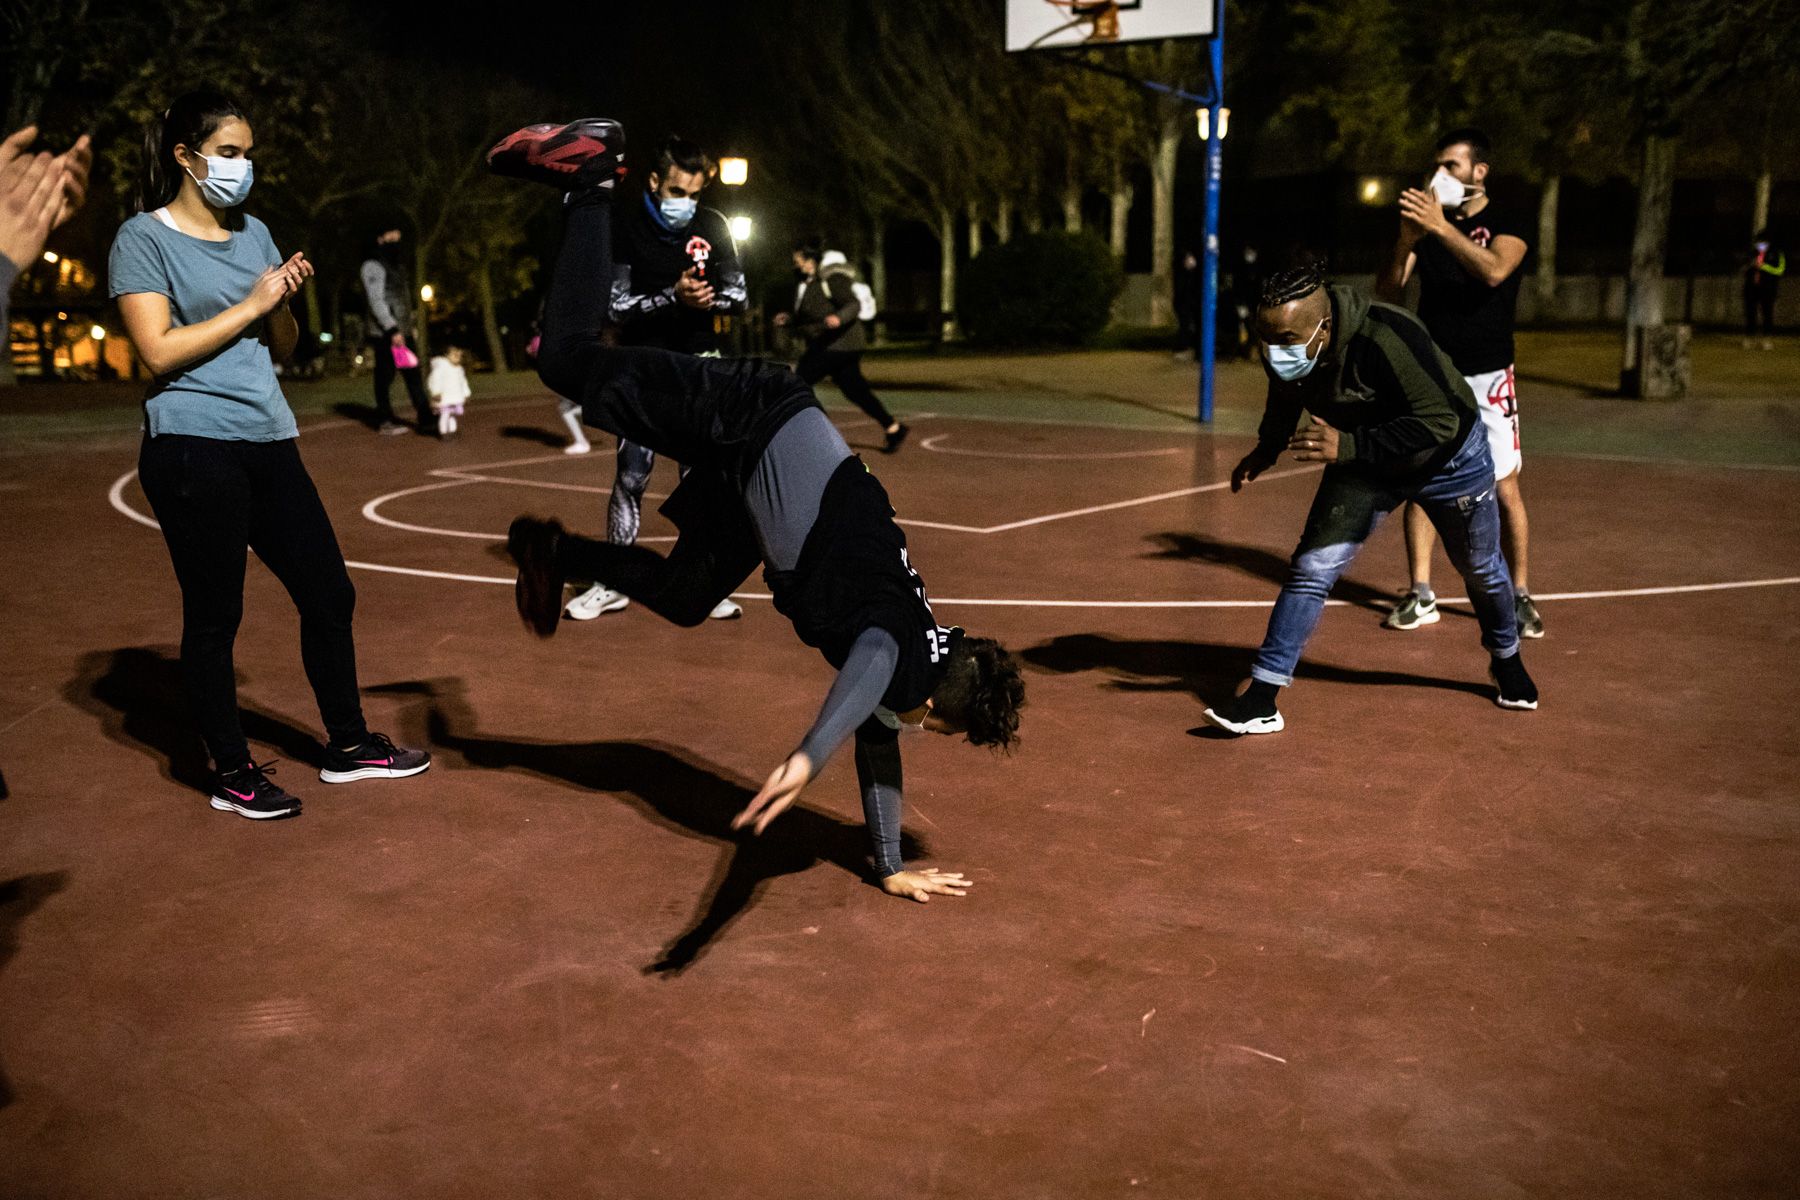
(677, 211)
(227, 182)
(1292, 362)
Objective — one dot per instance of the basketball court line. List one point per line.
(116, 497)
(935, 445)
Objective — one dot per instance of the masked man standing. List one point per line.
(1469, 253)
(675, 275)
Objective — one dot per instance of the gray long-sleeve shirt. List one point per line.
(783, 496)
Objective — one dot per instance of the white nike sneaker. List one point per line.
(594, 602)
(726, 610)
(578, 447)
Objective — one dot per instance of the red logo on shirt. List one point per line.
(1481, 236)
(699, 249)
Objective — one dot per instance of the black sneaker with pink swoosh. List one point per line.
(249, 792)
(376, 758)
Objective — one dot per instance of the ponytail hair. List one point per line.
(188, 122)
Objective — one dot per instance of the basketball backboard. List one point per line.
(1054, 24)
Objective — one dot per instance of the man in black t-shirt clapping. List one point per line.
(1469, 254)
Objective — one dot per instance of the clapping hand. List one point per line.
(275, 285)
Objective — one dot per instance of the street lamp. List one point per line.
(50, 257)
(98, 333)
(1203, 119)
(426, 293)
(734, 172)
(740, 228)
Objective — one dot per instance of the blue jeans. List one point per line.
(1459, 498)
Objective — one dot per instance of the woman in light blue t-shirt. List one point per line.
(204, 296)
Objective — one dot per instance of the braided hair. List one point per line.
(1284, 287)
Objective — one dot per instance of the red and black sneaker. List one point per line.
(589, 153)
(538, 593)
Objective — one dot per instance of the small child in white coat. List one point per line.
(448, 384)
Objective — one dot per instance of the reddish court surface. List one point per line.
(1415, 946)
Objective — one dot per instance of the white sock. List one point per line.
(572, 418)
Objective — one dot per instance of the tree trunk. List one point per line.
(1649, 249)
(1548, 201)
(1162, 222)
(946, 231)
(1122, 195)
(1071, 207)
(878, 283)
(1119, 200)
(490, 318)
(1003, 222)
(315, 323)
(1759, 208)
(974, 212)
(419, 305)
(1034, 218)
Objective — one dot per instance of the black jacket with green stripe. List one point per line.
(1399, 405)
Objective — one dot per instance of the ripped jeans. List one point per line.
(1460, 501)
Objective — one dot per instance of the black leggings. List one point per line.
(844, 368)
(1759, 300)
(215, 498)
(715, 552)
(414, 377)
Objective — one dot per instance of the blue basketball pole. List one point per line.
(1209, 265)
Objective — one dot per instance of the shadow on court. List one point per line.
(535, 435)
(19, 898)
(363, 414)
(1263, 564)
(1209, 672)
(1592, 391)
(672, 788)
(136, 695)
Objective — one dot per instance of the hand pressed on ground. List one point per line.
(923, 885)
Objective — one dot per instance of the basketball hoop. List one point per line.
(1101, 16)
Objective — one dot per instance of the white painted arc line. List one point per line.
(370, 511)
(116, 496)
(934, 444)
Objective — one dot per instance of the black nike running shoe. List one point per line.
(376, 758)
(539, 590)
(248, 792)
(582, 155)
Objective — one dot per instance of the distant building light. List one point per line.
(327, 338)
(62, 316)
(740, 228)
(98, 333)
(50, 256)
(734, 172)
(426, 293)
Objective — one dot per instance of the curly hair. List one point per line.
(1284, 287)
(983, 691)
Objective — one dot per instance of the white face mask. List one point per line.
(227, 182)
(1293, 362)
(1451, 192)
